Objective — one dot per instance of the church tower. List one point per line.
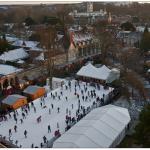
(89, 7)
(109, 18)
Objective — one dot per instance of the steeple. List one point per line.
(109, 18)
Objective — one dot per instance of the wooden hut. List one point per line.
(33, 92)
(14, 101)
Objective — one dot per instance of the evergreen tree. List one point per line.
(142, 130)
(128, 26)
(145, 41)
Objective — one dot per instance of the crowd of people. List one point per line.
(83, 94)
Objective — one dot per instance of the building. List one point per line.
(104, 127)
(8, 76)
(14, 55)
(102, 74)
(83, 45)
(33, 92)
(88, 17)
(129, 38)
(14, 101)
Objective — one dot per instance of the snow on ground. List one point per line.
(35, 130)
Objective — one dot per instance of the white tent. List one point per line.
(91, 71)
(102, 128)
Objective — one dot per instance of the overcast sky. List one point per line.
(12, 2)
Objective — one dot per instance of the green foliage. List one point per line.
(142, 130)
(145, 41)
(50, 20)
(116, 83)
(127, 26)
(135, 19)
(4, 45)
(29, 21)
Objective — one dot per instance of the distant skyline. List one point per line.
(35, 2)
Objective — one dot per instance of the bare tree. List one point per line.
(48, 37)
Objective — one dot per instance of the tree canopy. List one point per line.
(127, 26)
(29, 21)
(142, 130)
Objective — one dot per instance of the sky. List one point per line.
(12, 2)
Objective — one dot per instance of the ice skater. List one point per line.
(32, 146)
(49, 129)
(49, 111)
(34, 109)
(57, 125)
(15, 128)
(44, 139)
(25, 133)
(58, 110)
(66, 98)
(21, 120)
(10, 133)
(16, 120)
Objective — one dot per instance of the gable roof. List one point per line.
(91, 71)
(7, 69)
(99, 129)
(11, 99)
(14, 55)
(32, 89)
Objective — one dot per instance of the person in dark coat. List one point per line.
(25, 133)
(15, 128)
(49, 128)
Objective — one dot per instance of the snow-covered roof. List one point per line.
(99, 129)
(141, 28)
(30, 44)
(11, 99)
(14, 55)
(20, 61)
(31, 89)
(82, 37)
(91, 71)
(7, 69)
(40, 57)
(58, 79)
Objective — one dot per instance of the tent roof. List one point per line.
(91, 71)
(11, 99)
(31, 89)
(99, 129)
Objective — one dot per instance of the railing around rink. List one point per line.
(7, 143)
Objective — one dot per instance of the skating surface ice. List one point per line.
(36, 131)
